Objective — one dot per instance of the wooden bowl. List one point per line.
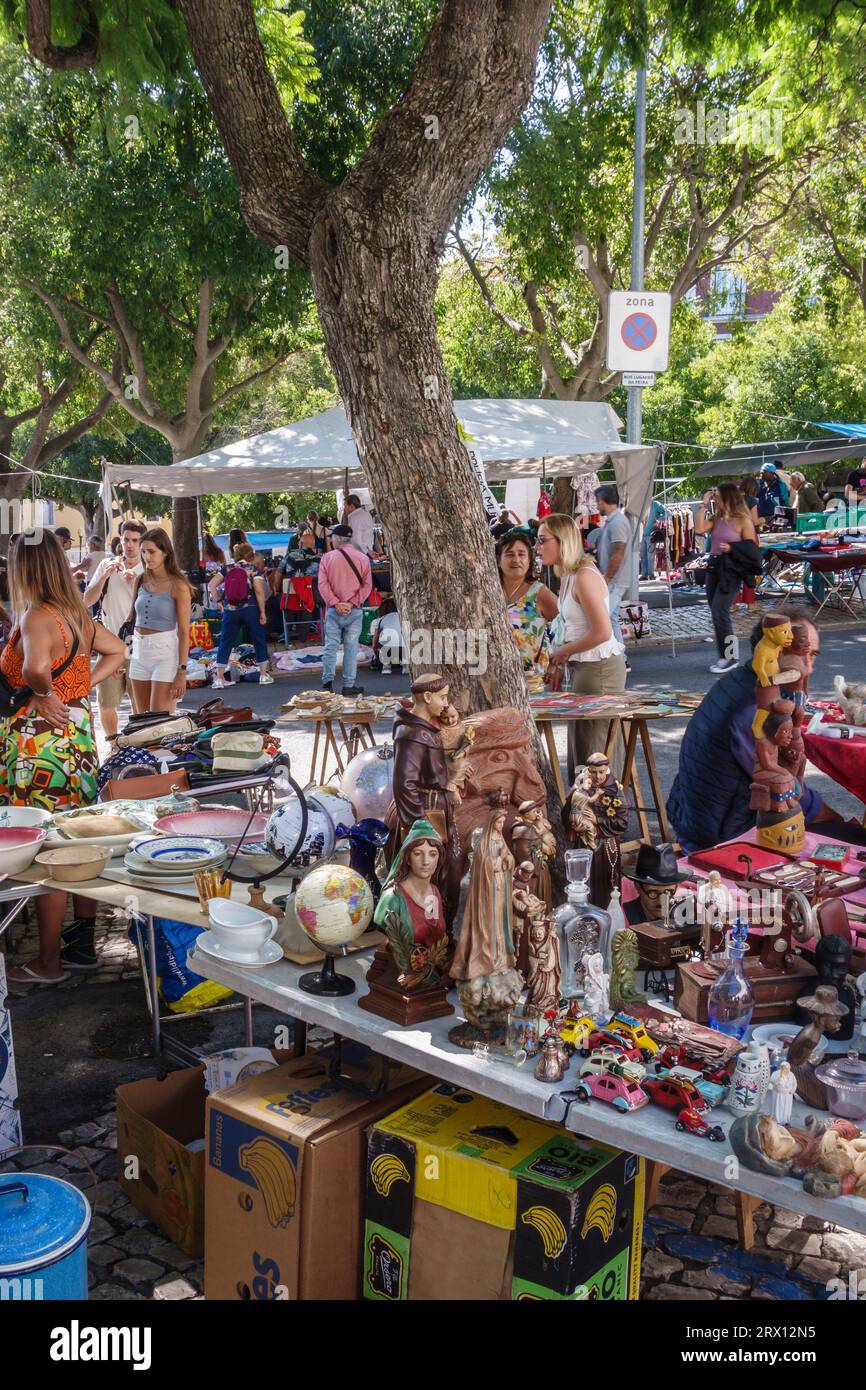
(75, 863)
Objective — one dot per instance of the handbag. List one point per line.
(145, 788)
(14, 698)
(216, 711)
(172, 727)
(126, 630)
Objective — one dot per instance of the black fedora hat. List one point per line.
(657, 865)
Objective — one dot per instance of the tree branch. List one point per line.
(248, 381)
(481, 281)
(539, 325)
(83, 54)
(129, 337)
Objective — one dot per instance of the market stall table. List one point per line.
(843, 759)
(841, 568)
(627, 715)
(649, 1132)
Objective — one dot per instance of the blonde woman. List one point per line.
(591, 655)
(48, 751)
(729, 523)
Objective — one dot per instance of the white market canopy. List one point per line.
(512, 438)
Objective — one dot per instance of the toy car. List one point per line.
(711, 1092)
(618, 1091)
(718, 1073)
(614, 1060)
(694, 1123)
(634, 1029)
(603, 1037)
(575, 1031)
(674, 1094)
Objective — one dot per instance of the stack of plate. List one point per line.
(172, 859)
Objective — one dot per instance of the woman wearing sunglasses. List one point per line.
(590, 654)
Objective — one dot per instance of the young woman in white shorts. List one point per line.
(160, 644)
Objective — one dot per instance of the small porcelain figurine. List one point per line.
(596, 816)
(596, 998)
(783, 1088)
(544, 974)
(488, 985)
(625, 954)
(544, 849)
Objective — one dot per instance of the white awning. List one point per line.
(513, 438)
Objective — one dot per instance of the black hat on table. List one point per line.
(657, 865)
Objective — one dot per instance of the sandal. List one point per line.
(33, 979)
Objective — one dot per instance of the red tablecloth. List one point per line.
(825, 561)
(843, 759)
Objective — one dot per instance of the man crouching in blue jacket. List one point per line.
(709, 799)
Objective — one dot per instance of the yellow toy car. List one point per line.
(634, 1029)
(575, 1031)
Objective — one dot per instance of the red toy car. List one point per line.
(603, 1037)
(694, 1123)
(674, 1094)
(717, 1072)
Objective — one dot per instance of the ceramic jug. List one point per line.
(750, 1080)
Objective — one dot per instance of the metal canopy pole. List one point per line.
(634, 419)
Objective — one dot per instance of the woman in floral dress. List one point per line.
(47, 749)
(531, 605)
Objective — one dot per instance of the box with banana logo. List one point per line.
(535, 1211)
(284, 1182)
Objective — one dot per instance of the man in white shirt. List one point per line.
(360, 523)
(114, 584)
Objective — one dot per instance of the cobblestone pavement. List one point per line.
(691, 620)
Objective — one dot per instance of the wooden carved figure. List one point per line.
(796, 658)
(825, 1012)
(777, 635)
(544, 973)
(596, 817)
(421, 778)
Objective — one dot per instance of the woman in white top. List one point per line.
(594, 659)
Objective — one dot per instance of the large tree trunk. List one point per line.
(375, 283)
(184, 510)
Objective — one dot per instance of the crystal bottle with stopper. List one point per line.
(731, 999)
(581, 927)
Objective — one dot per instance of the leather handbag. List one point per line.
(172, 727)
(145, 788)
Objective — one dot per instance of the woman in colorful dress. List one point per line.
(531, 606)
(48, 750)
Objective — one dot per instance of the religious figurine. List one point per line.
(825, 1012)
(783, 1088)
(715, 911)
(625, 953)
(596, 816)
(488, 985)
(833, 961)
(457, 739)
(406, 978)
(421, 778)
(596, 997)
(774, 791)
(530, 812)
(525, 907)
(544, 973)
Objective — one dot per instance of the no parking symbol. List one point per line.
(639, 332)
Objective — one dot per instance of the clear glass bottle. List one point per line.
(731, 999)
(580, 927)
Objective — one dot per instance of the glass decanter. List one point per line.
(731, 999)
(581, 927)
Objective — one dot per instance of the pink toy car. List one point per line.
(618, 1091)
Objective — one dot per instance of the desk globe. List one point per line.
(334, 905)
(367, 782)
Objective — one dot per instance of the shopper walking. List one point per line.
(47, 750)
(360, 524)
(213, 557)
(529, 603)
(160, 643)
(244, 605)
(723, 516)
(612, 546)
(112, 588)
(593, 657)
(345, 581)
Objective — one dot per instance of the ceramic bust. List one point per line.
(407, 985)
(488, 984)
(833, 960)
(596, 817)
(421, 777)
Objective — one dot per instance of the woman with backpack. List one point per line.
(245, 595)
(160, 641)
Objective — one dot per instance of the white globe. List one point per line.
(367, 782)
(337, 805)
(284, 826)
(334, 906)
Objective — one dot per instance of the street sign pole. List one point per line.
(634, 417)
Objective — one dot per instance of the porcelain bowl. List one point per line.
(19, 846)
(75, 863)
(23, 815)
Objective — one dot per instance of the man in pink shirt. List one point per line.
(345, 581)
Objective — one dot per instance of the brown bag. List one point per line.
(144, 788)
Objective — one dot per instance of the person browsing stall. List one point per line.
(709, 798)
(345, 582)
(611, 549)
(592, 655)
(48, 755)
(245, 594)
(160, 643)
(112, 587)
(529, 603)
(360, 524)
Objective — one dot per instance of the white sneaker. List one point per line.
(386, 671)
(217, 683)
(265, 679)
(728, 663)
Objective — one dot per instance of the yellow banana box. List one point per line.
(534, 1211)
(284, 1181)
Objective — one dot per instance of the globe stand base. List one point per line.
(326, 981)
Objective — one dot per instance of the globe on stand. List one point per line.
(334, 905)
(367, 782)
(284, 825)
